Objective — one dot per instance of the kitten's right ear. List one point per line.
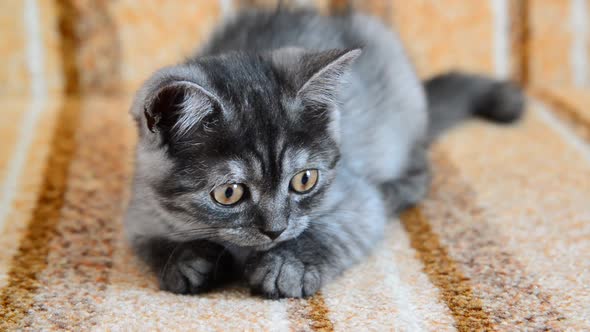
(172, 105)
(178, 107)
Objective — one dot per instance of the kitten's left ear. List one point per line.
(323, 74)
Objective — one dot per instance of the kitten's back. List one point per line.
(260, 30)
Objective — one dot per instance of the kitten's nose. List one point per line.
(272, 234)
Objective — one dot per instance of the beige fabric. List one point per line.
(502, 242)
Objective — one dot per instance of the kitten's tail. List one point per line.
(453, 97)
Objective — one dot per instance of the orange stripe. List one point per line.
(443, 272)
(309, 314)
(77, 42)
(340, 6)
(510, 296)
(319, 314)
(17, 296)
(519, 38)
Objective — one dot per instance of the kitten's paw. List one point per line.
(278, 274)
(192, 270)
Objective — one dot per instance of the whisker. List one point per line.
(201, 233)
(165, 267)
(193, 235)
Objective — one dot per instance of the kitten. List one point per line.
(279, 151)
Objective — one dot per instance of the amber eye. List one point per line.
(304, 181)
(228, 194)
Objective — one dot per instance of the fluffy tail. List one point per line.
(453, 97)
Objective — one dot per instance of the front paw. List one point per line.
(192, 270)
(280, 273)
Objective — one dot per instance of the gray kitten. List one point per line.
(277, 153)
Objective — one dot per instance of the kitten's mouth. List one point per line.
(257, 243)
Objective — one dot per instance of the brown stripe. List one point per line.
(340, 6)
(484, 286)
(309, 314)
(89, 39)
(17, 296)
(511, 297)
(79, 265)
(565, 111)
(323, 6)
(84, 263)
(319, 314)
(443, 272)
(69, 45)
(519, 40)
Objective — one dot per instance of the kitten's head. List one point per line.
(241, 148)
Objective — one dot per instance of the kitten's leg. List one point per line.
(186, 267)
(412, 187)
(341, 234)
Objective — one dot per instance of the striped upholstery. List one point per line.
(501, 243)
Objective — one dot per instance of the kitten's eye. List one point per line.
(228, 194)
(304, 181)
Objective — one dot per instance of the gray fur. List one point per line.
(270, 95)
(455, 96)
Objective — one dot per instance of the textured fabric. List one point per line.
(115, 45)
(502, 241)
